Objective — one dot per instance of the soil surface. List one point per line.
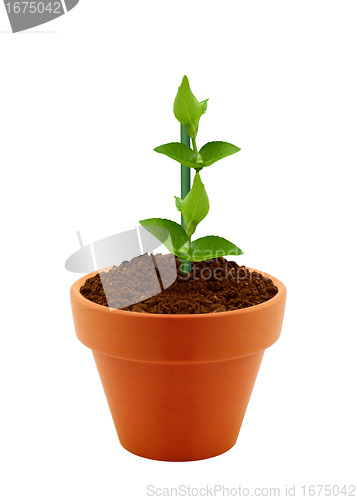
(150, 284)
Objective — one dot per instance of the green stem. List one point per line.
(185, 188)
(194, 146)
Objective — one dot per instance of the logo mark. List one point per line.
(113, 250)
(25, 15)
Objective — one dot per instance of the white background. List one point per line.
(84, 100)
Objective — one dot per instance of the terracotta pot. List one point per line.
(177, 385)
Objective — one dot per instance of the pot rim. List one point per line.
(75, 289)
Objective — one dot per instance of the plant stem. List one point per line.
(194, 146)
(185, 188)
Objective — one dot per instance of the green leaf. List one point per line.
(187, 109)
(179, 152)
(194, 207)
(178, 203)
(214, 151)
(171, 234)
(183, 253)
(210, 247)
(204, 106)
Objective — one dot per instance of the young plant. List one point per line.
(195, 206)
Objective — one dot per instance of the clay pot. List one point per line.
(177, 385)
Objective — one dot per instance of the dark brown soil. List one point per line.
(215, 285)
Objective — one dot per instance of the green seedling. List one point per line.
(195, 206)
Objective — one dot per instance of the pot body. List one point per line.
(178, 385)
